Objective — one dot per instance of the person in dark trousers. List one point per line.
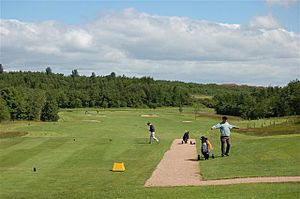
(224, 127)
(185, 137)
(152, 133)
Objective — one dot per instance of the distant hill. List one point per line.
(243, 85)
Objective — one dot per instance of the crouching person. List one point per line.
(205, 148)
(185, 137)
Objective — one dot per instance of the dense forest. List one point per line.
(39, 95)
(268, 102)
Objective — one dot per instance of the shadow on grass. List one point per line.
(192, 159)
(141, 141)
(211, 158)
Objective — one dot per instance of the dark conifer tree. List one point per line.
(1, 69)
(48, 71)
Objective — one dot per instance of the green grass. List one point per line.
(267, 122)
(267, 156)
(278, 129)
(81, 168)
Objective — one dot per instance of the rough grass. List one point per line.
(73, 157)
(278, 129)
(216, 116)
(12, 134)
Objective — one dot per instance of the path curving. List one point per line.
(179, 167)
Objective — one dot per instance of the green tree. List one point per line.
(1, 69)
(50, 111)
(4, 111)
(196, 109)
(180, 108)
(93, 75)
(15, 103)
(293, 88)
(48, 71)
(112, 74)
(74, 73)
(35, 101)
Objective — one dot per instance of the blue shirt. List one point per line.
(224, 128)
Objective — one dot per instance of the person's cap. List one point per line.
(224, 118)
(202, 137)
(148, 123)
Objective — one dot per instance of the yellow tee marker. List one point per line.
(118, 166)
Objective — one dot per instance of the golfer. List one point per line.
(185, 137)
(224, 127)
(152, 133)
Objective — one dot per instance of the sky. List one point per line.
(243, 42)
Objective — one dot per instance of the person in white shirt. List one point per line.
(224, 127)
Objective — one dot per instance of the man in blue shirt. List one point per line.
(152, 133)
(224, 127)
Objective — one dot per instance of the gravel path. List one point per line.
(179, 167)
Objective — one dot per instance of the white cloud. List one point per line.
(284, 3)
(137, 44)
(264, 22)
(78, 39)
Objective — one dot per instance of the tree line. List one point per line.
(38, 95)
(261, 103)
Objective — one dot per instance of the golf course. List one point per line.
(139, 99)
(73, 158)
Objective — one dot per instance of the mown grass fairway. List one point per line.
(74, 156)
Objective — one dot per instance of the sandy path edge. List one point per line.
(179, 167)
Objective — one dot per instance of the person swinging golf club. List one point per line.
(224, 127)
(152, 133)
